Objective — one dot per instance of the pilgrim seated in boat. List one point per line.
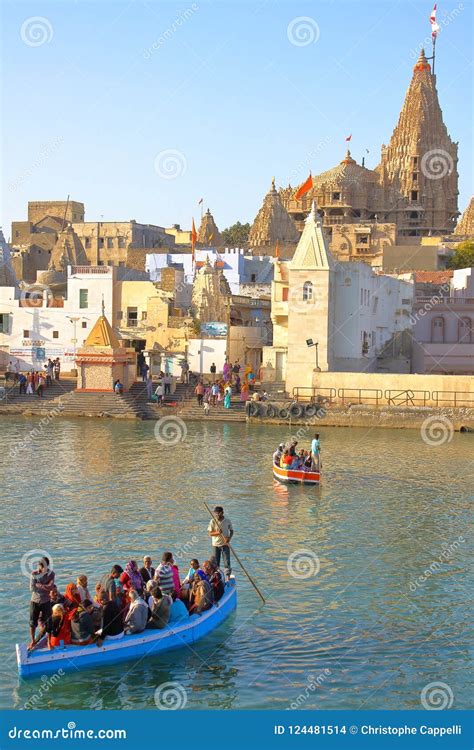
(83, 628)
(159, 605)
(201, 597)
(137, 614)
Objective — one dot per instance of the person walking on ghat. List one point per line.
(221, 532)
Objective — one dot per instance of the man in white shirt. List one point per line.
(221, 532)
(159, 394)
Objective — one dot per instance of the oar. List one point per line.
(236, 556)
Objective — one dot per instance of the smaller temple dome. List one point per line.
(422, 63)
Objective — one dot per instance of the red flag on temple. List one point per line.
(349, 137)
(303, 189)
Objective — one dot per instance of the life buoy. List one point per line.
(284, 413)
(296, 410)
(310, 410)
(271, 412)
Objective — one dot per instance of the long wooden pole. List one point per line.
(236, 556)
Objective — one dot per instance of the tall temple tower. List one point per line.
(421, 160)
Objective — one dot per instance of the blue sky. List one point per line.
(238, 92)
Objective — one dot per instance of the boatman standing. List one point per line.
(316, 450)
(221, 532)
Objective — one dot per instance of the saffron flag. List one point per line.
(200, 201)
(434, 25)
(277, 250)
(348, 138)
(193, 239)
(303, 189)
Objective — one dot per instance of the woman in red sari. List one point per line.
(59, 629)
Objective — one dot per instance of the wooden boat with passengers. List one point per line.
(296, 476)
(177, 634)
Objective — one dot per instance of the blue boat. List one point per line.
(42, 661)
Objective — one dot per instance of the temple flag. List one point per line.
(200, 201)
(303, 189)
(348, 138)
(434, 25)
(277, 250)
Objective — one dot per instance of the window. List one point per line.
(4, 323)
(121, 263)
(55, 334)
(415, 161)
(88, 242)
(406, 301)
(121, 241)
(17, 233)
(253, 277)
(336, 196)
(307, 291)
(26, 334)
(437, 330)
(84, 324)
(101, 242)
(110, 242)
(144, 315)
(284, 295)
(415, 176)
(132, 317)
(361, 296)
(414, 195)
(362, 239)
(83, 298)
(465, 331)
(101, 263)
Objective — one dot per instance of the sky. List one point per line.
(139, 108)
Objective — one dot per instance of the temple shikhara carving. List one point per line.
(273, 223)
(208, 233)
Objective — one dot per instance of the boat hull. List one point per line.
(181, 633)
(288, 476)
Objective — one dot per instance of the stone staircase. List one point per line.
(190, 410)
(53, 393)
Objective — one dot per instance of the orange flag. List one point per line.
(193, 239)
(277, 250)
(303, 189)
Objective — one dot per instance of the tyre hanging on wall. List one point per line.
(271, 412)
(311, 410)
(254, 409)
(296, 410)
(284, 413)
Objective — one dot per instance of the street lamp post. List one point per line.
(310, 342)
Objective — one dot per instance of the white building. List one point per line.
(444, 328)
(35, 326)
(355, 318)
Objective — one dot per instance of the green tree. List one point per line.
(463, 256)
(237, 235)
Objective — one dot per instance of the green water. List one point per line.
(360, 633)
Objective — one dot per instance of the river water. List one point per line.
(349, 621)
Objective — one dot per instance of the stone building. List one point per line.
(211, 294)
(465, 226)
(102, 361)
(357, 320)
(412, 193)
(108, 242)
(208, 233)
(273, 225)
